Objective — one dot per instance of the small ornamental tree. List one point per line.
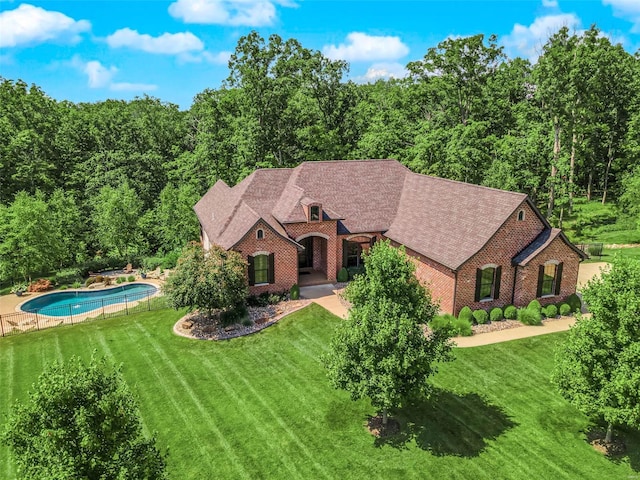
(380, 351)
(81, 422)
(598, 366)
(211, 280)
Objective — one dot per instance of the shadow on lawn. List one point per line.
(630, 438)
(449, 424)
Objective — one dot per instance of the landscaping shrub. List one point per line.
(461, 327)
(529, 316)
(131, 278)
(247, 322)
(565, 309)
(234, 315)
(170, 259)
(440, 322)
(480, 316)
(466, 314)
(40, 285)
(343, 275)
(551, 311)
(76, 285)
(535, 304)
(294, 293)
(120, 280)
(151, 263)
(63, 287)
(67, 276)
(510, 312)
(107, 281)
(353, 271)
(274, 299)
(574, 302)
(496, 314)
(90, 281)
(266, 298)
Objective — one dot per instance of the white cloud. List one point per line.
(360, 46)
(550, 3)
(220, 58)
(627, 9)
(528, 41)
(132, 87)
(379, 71)
(167, 43)
(99, 76)
(251, 13)
(28, 24)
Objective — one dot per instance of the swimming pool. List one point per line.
(63, 304)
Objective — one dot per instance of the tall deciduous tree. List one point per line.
(81, 421)
(380, 351)
(598, 366)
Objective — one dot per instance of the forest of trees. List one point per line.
(119, 179)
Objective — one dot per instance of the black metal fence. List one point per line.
(54, 316)
(591, 249)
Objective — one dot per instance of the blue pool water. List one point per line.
(63, 304)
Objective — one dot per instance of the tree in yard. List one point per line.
(598, 366)
(211, 280)
(380, 351)
(82, 422)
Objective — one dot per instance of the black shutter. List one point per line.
(478, 284)
(345, 252)
(251, 272)
(271, 273)
(496, 287)
(372, 241)
(540, 280)
(558, 278)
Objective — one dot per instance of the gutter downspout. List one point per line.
(513, 288)
(455, 290)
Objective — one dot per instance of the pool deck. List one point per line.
(9, 303)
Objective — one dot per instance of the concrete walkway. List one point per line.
(325, 296)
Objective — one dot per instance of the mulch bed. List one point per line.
(375, 427)
(202, 327)
(614, 449)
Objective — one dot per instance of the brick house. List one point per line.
(472, 245)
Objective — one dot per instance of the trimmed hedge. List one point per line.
(481, 316)
(551, 311)
(496, 315)
(294, 292)
(510, 312)
(441, 322)
(529, 316)
(535, 304)
(466, 314)
(343, 275)
(574, 302)
(565, 309)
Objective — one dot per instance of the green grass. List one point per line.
(609, 253)
(261, 406)
(593, 222)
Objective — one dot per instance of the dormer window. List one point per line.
(260, 234)
(314, 213)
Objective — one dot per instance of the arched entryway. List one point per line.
(312, 259)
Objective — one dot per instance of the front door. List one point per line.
(305, 257)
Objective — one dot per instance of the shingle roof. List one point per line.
(444, 220)
(542, 241)
(449, 221)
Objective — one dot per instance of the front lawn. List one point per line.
(261, 407)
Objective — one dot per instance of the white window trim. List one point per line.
(262, 252)
(521, 211)
(312, 234)
(356, 235)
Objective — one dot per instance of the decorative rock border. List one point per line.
(199, 327)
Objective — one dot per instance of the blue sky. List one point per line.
(86, 51)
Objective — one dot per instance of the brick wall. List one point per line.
(285, 257)
(509, 240)
(527, 276)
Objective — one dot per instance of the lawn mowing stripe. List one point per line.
(196, 401)
(169, 393)
(257, 424)
(322, 347)
(8, 372)
(278, 419)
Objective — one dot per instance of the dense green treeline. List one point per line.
(120, 178)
